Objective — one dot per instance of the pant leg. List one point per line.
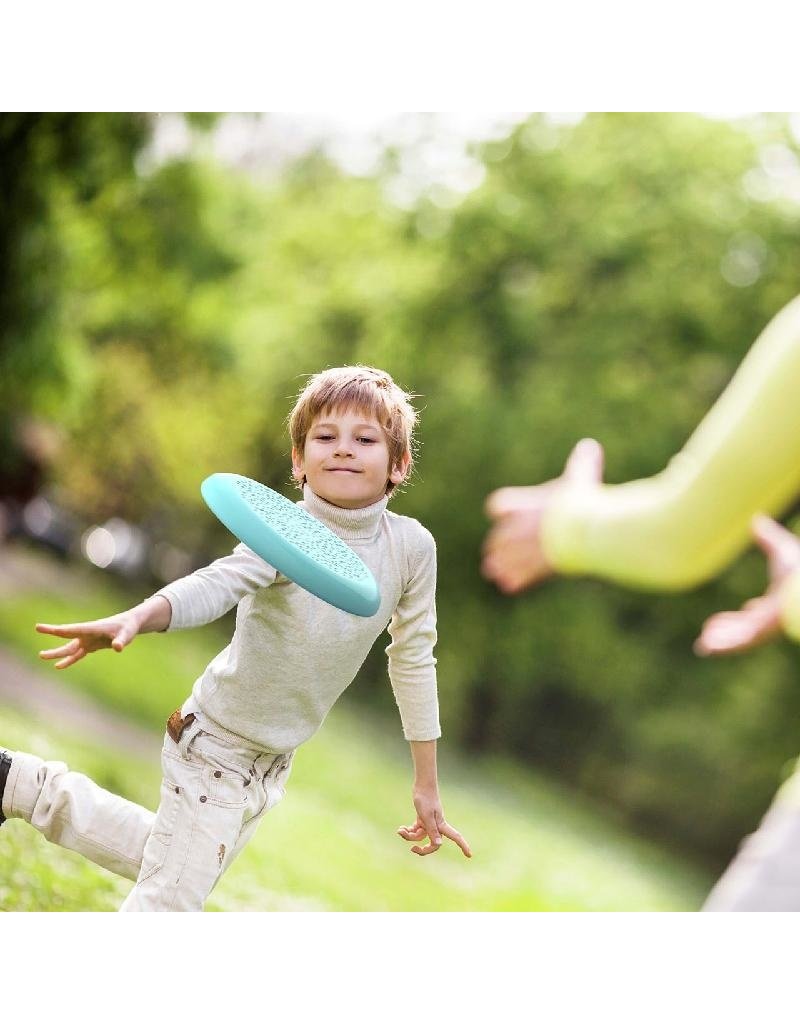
(72, 811)
(765, 874)
(212, 795)
(272, 784)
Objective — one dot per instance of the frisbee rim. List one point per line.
(224, 498)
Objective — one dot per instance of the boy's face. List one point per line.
(346, 459)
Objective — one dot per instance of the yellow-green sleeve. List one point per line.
(679, 528)
(790, 606)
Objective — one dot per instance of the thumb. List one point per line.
(585, 462)
(781, 547)
(122, 639)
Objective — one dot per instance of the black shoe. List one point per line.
(5, 765)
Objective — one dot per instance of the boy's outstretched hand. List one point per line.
(115, 632)
(431, 823)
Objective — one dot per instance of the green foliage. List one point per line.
(604, 280)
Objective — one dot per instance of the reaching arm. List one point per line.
(679, 528)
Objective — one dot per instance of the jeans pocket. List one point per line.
(226, 789)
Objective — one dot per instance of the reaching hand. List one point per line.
(513, 558)
(115, 632)
(431, 823)
(759, 619)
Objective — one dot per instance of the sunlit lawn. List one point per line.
(331, 845)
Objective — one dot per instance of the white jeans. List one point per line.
(213, 794)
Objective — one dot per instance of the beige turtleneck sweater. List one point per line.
(292, 654)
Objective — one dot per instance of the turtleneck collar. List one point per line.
(347, 523)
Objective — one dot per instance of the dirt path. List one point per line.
(46, 692)
(58, 704)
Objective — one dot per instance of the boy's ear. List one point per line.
(400, 471)
(297, 465)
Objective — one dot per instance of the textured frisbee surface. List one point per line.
(291, 540)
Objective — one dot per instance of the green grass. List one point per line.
(331, 845)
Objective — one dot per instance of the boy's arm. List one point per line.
(203, 596)
(412, 671)
(210, 592)
(412, 665)
(430, 814)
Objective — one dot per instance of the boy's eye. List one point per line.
(367, 440)
(324, 437)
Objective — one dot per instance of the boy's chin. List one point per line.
(345, 496)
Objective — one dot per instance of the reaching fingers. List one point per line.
(726, 632)
(722, 637)
(513, 499)
(781, 547)
(585, 462)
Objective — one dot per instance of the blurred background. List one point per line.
(168, 281)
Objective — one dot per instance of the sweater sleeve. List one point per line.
(681, 527)
(210, 592)
(412, 665)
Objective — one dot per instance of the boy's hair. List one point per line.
(367, 390)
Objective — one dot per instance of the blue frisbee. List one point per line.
(295, 543)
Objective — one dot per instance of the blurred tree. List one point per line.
(47, 161)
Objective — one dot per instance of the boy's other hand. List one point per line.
(513, 558)
(115, 632)
(759, 619)
(431, 823)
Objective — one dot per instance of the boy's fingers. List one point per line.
(66, 662)
(424, 851)
(72, 629)
(60, 652)
(457, 838)
(411, 834)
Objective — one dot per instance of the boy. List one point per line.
(228, 750)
